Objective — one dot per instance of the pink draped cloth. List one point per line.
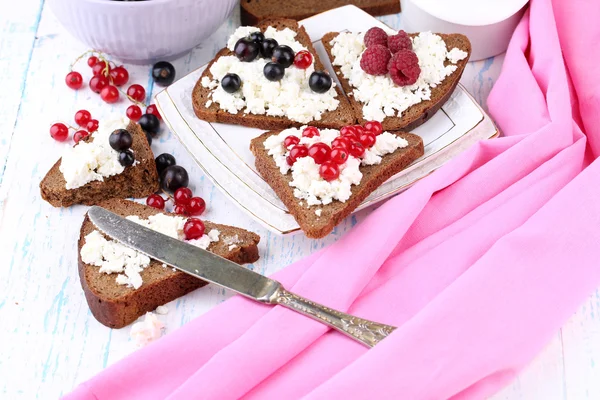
(478, 265)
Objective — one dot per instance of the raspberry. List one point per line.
(375, 59)
(398, 42)
(375, 36)
(404, 68)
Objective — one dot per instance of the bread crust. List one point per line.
(136, 181)
(116, 305)
(343, 115)
(332, 214)
(419, 113)
(253, 12)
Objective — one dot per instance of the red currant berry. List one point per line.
(119, 76)
(348, 130)
(97, 83)
(310, 131)
(182, 196)
(110, 94)
(82, 117)
(298, 151)
(93, 60)
(193, 229)
(359, 130)
(303, 59)
(329, 171)
(74, 80)
(367, 139)
(137, 92)
(156, 201)
(59, 131)
(152, 109)
(133, 112)
(180, 209)
(77, 136)
(101, 68)
(356, 149)
(374, 127)
(92, 126)
(339, 155)
(291, 141)
(319, 152)
(342, 142)
(196, 206)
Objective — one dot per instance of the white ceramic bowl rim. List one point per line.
(479, 12)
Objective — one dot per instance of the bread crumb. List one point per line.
(161, 310)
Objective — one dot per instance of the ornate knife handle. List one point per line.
(367, 332)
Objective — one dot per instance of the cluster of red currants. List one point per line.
(353, 141)
(83, 118)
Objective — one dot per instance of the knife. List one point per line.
(215, 269)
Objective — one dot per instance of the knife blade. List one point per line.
(215, 269)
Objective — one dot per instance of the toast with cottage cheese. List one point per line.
(206, 107)
(117, 305)
(318, 220)
(418, 113)
(139, 180)
(254, 11)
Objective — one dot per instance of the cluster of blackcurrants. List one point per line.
(247, 49)
(121, 140)
(172, 176)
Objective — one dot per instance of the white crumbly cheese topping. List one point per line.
(146, 331)
(232, 241)
(162, 310)
(380, 96)
(318, 212)
(114, 258)
(94, 160)
(308, 184)
(291, 97)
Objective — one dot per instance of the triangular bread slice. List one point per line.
(333, 213)
(418, 113)
(342, 116)
(117, 305)
(254, 11)
(136, 181)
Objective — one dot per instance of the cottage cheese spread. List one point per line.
(114, 258)
(146, 331)
(94, 160)
(291, 97)
(380, 96)
(306, 180)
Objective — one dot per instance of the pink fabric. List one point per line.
(484, 261)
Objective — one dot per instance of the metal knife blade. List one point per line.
(185, 257)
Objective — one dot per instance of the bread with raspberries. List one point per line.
(418, 113)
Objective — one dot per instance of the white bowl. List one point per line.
(142, 31)
(488, 24)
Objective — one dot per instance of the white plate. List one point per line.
(222, 150)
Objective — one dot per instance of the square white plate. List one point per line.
(222, 150)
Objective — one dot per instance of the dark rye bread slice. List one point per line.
(118, 305)
(136, 181)
(255, 10)
(342, 116)
(333, 213)
(419, 113)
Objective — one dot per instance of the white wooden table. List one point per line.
(49, 341)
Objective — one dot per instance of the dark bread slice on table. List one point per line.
(333, 213)
(137, 181)
(342, 116)
(419, 113)
(118, 305)
(255, 10)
